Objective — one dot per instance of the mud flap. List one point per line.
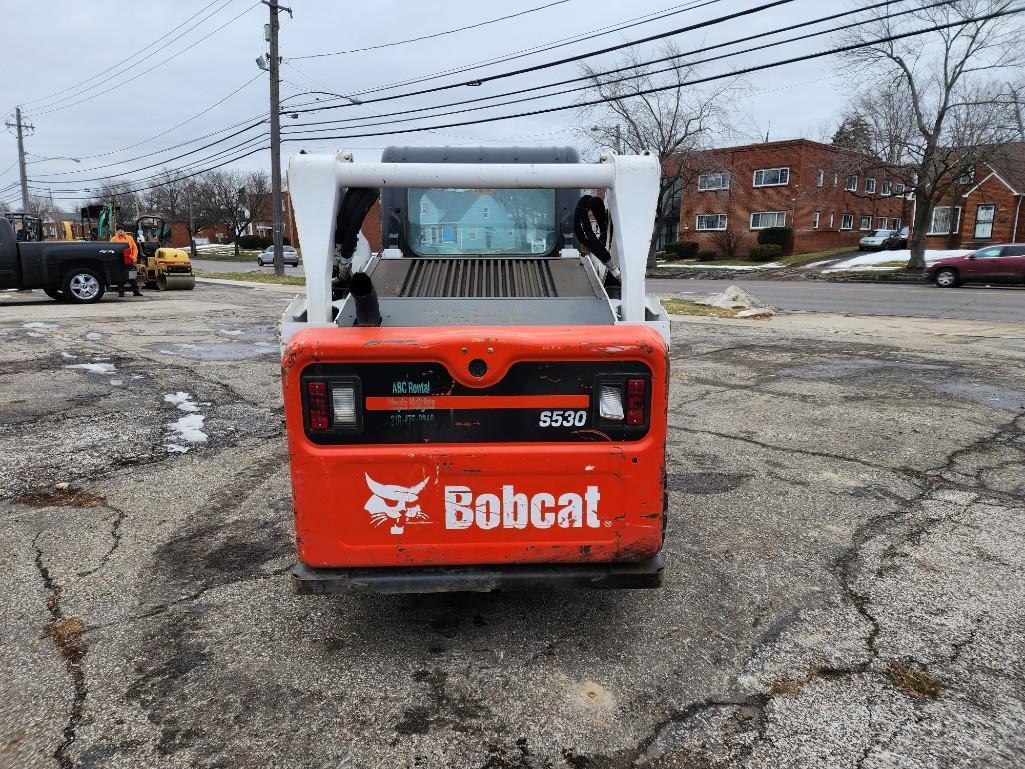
(480, 579)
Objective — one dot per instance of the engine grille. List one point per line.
(479, 278)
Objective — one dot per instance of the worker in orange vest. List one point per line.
(131, 257)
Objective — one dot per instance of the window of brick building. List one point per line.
(851, 184)
(815, 217)
(762, 219)
(711, 222)
(881, 223)
(846, 221)
(945, 220)
(887, 187)
(821, 181)
(870, 186)
(898, 189)
(717, 180)
(894, 224)
(771, 177)
(831, 217)
(866, 223)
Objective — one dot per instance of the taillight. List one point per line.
(317, 408)
(635, 401)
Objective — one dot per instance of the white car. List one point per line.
(290, 256)
(880, 240)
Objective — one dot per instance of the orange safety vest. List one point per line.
(132, 256)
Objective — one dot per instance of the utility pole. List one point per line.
(20, 129)
(192, 222)
(275, 135)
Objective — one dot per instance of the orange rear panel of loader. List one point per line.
(475, 445)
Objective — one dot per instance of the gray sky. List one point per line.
(52, 51)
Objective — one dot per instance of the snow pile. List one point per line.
(736, 298)
(68, 355)
(186, 429)
(39, 324)
(94, 368)
(878, 257)
(94, 336)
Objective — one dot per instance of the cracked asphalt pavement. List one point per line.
(845, 561)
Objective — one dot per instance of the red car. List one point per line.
(993, 264)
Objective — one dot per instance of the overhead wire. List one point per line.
(145, 48)
(696, 81)
(431, 36)
(175, 55)
(595, 76)
(549, 46)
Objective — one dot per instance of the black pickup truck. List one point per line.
(73, 271)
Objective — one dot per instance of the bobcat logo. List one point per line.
(402, 509)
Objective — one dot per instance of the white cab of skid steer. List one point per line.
(317, 182)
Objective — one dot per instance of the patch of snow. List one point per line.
(232, 332)
(94, 368)
(875, 257)
(189, 428)
(182, 400)
(117, 381)
(68, 355)
(136, 376)
(94, 336)
(175, 448)
(39, 324)
(34, 333)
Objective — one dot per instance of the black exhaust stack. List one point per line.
(364, 296)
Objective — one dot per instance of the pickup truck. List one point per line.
(71, 271)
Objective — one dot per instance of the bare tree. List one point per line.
(236, 199)
(122, 194)
(934, 101)
(674, 124)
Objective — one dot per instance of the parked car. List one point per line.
(76, 271)
(291, 256)
(902, 237)
(881, 240)
(993, 264)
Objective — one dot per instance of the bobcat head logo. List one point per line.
(395, 504)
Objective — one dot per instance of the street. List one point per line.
(1004, 304)
(222, 265)
(845, 551)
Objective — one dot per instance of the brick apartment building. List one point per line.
(984, 205)
(816, 189)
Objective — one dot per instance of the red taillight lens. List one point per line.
(317, 408)
(635, 390)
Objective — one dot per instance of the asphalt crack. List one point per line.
(66, 634)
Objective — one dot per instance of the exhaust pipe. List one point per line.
(361, 289)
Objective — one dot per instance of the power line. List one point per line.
(76, 172)
(147, 71)
(688, 62)
(145, 48)
(199, 114)
(552, 45)
(154, 48)
(431, 36)
(577, 57)
(696, 81)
